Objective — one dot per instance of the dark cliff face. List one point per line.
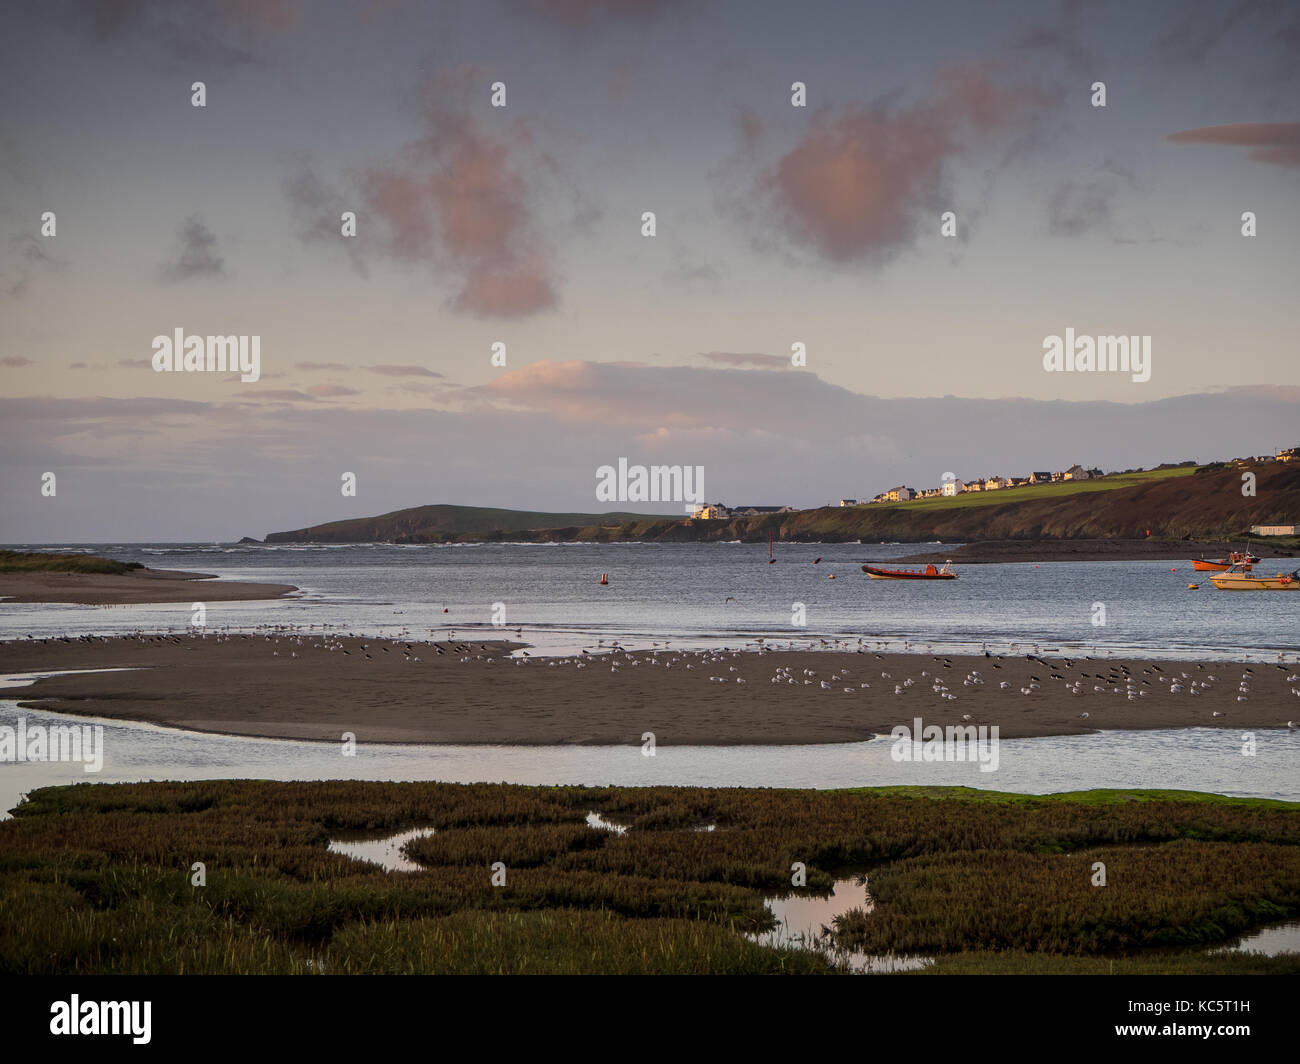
(1203, 505)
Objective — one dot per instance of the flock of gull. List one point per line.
(1067, 676)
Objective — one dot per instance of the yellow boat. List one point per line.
(1240, 578)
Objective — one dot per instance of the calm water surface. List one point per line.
(705, 594)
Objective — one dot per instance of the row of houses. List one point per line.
(957, 486)
(716, 511)
(1287, 454)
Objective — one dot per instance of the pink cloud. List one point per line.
(511, 292)
(478, 198)
(461, 199)
(401, 201)
(572, 389)
(641, 398)
(1269, 142)
(862, 183)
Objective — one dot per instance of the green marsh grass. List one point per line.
(96, 877)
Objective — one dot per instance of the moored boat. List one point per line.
(930, 572)
(1221, 565)
(1239, 578)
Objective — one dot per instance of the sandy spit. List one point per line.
(317, 686)
(134, 588)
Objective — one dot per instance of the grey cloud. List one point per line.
(731, 358)
(403, 371)
(317, 209)
(215, 33)
(197, 255)
(229, 469)
(331, 391)
(26, 256)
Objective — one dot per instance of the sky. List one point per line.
(522, 225)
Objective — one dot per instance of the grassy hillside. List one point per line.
(1039, 492)
(1182, 503)
(1172, 504)
(439, 523)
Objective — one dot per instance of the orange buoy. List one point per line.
(604, 578)
(832, 576)
(1192, 587)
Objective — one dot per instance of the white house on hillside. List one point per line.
(953, 487)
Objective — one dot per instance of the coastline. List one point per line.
(131, 589)
(989, 552)
(979, 552)
(314, 686)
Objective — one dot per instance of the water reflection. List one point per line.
(386, 851)
(1192, 759)
(1270, 941)
(805, 921)
(595, 820)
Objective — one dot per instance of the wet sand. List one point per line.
(134, 588)
(314, 685)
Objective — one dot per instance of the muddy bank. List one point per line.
(134, 588)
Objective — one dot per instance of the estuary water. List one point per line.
(696, 595)
(1197, 759)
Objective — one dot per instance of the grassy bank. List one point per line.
(96, 878)
(14, 561)
(1037, 492)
